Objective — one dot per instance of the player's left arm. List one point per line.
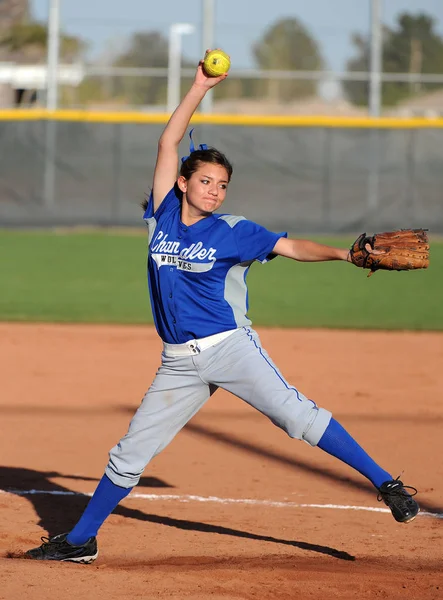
(309, 251)
(165, 172)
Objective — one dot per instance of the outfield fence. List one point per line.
(302, 174)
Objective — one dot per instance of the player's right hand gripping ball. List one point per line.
(216, 63)
(402, 250)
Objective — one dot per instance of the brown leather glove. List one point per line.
(400, 250)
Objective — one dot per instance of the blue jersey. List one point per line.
(197, 273)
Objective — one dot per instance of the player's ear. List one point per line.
(182, 184)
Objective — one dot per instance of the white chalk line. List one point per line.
(214, 499)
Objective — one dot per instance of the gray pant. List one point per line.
(182, 385)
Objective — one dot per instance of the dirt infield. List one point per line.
(232, 509)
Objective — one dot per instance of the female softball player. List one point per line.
(197, 267)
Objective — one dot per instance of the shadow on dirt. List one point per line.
(60, 508)
(241, 444)
(57, 507)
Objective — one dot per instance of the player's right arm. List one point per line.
(165, 173)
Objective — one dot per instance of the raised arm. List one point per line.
(165, 173)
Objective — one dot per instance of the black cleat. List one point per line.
(403, 506)
(58, 548)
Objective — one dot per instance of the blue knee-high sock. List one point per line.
(337, 442)
(105, 499)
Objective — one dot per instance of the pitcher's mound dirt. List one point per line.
(232, 509)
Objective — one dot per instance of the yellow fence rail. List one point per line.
(225, 119)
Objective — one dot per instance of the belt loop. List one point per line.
(194, 347)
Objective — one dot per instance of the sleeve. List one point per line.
(170, 202)
(255, 242)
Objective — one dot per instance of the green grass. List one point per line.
(101, 277)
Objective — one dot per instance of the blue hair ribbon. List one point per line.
(192, 147)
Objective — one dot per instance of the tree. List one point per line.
(146, 49)
(13, 12)
(288, 46)
(28, 42)
(412, 47)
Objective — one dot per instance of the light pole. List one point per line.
(51, 102)
(208, 20)
(376, 66)
(52, 56)
(176, 31)
(376, 60)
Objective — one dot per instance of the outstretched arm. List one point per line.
(165, 173)
(308, 251)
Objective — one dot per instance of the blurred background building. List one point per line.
(23, 56)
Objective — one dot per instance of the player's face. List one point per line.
(206, 188)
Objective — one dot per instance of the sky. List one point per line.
(108, 24)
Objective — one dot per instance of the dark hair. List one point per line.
(197, 158)
(210, 155)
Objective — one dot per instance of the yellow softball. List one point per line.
(216, 63)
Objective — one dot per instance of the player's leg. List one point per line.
(339, 443)
(175, 395)
(244, 368)
(248, 372)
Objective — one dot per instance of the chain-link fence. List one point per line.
(301, 179)
(287, 57)
(258, 92)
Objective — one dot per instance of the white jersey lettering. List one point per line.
(169, 260)
(162, 244)
(167, 252)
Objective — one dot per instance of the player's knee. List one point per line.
(309, 426)
(126, 468)
(122, 479)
